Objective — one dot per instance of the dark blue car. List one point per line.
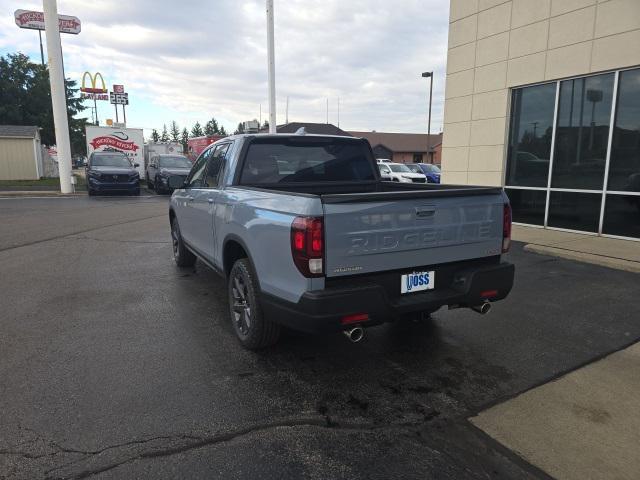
(432, 172)
(112, 172)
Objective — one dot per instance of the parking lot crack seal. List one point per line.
(194, 442)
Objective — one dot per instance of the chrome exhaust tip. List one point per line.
(482, 309)
(354, 334)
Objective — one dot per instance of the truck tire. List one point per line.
(253, 330)
(181, 254)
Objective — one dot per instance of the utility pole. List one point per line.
(41, 50)
(429, 75)
(271, 68)
(327, 109)
(338, 112)
(286, 117)
(58, 98)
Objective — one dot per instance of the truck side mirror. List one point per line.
(136, 165)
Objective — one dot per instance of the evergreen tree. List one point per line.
(165, 136)
(25, 100)
(222, 131)
(155, 136)
(240, 129)
(184, 140)
(197, 131)
(211, 128)
(175, 132)
(265, 126)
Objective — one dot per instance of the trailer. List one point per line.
(196, 145)
(160, 148)
(129, 141)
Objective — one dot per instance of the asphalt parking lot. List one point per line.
(116, 364)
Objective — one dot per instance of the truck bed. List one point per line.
(333, 192)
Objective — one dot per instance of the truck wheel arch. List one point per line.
(234, 249)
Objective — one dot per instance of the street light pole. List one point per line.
(430, 76)
(271, 69)
(58, 97)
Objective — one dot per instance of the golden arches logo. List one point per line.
(93, 79)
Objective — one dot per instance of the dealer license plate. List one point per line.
(417, 281)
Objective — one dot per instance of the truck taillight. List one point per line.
(506, 228)
(307, 245)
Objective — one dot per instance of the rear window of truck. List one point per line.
(306, 160)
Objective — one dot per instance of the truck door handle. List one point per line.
(426, 211)
(210, 200)
(189, 198)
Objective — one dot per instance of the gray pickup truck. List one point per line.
(309, 237)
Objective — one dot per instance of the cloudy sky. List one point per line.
(190, 60)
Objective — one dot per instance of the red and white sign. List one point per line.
(35, 21)
(126, 140)
(118, 89)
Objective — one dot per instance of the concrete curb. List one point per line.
(611, 262)
(39, 193)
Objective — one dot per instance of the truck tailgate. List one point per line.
(371, 235)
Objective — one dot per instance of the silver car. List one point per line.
(161, 167)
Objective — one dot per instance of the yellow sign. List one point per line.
(110, 122)
(92, 79)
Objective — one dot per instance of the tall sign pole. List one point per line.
(58, 99)
(272, 68)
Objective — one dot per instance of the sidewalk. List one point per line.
(608, 252)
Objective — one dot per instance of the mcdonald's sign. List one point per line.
(93, 92)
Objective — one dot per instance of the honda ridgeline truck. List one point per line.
(309, 237)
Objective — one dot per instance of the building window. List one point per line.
(582, 132)
(417, 158)
(591, 180)
(530, 135)
(624, 166)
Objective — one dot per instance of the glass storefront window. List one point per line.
(527, 206)
(622, 216)
(585, 137)
(624, 164)
(582, 132)
(574, 211)
(530, 135)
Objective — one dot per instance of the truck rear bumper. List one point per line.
(324, 310)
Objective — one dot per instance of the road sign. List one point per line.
(35, 21)
(119, 98)
(118, 89)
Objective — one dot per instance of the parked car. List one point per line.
(163, 166)
(432, 172)
(112, 172)
(399, 172)
(385, 172)
(308, 236)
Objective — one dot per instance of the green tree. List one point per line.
(155, 136)
(240, 129)
(197, 131)
(25, 99)
(265, 125)
(174, 131)
(184, 140)
(165, 136)
(211, 127)
(222, 131)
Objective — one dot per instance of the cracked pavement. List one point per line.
(116, 364)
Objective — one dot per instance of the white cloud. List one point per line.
(194, 60)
